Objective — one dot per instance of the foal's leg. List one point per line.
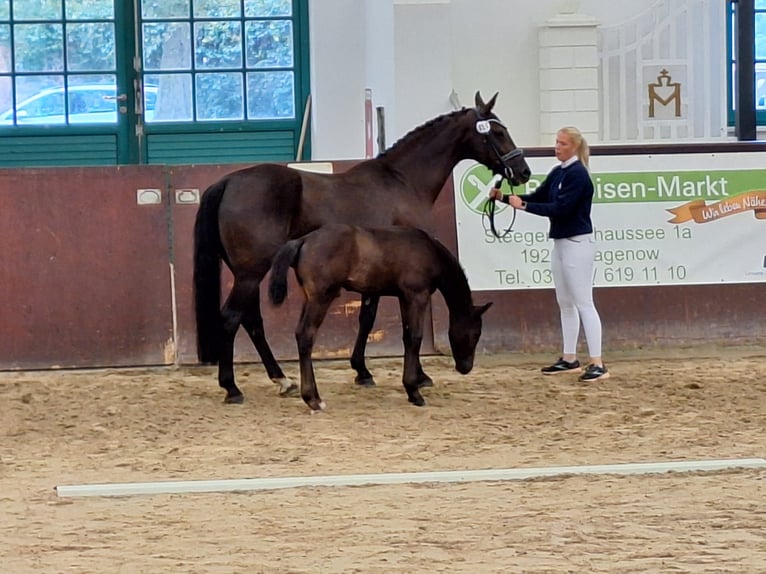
(252, 321)
(413, 310)
(423, 379)
(312, 315)
(367, 313)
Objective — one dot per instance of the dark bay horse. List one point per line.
(245, 217)
(403, 262)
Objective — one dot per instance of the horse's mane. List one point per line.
(413, 133)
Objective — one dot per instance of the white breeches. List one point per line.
(572, 267)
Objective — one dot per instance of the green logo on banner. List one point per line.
(475, 185)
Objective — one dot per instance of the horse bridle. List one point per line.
(484, 127)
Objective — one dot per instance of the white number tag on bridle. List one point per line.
(483, 127)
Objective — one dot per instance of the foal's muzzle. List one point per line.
(464, 366)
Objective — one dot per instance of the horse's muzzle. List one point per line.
(515, 165)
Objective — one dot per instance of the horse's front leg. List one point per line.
(311, 318)
(413, 312)
(367, 313)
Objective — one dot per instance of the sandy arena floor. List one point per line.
(78, 427)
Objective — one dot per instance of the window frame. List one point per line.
(760, 113)
(194, 72)
(131, 136)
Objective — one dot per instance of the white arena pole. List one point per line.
(246, 484)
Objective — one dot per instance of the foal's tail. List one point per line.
(207, 274)
(283, 260)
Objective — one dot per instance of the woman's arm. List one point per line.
(542, 193)
(574, 184)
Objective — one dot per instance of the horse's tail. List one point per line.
(207, 274)
(283, 260)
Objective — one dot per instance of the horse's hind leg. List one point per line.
(367, 313)
(238, 310)
(231, 317)
(252, 321)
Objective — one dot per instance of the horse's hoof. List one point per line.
(234, 399)
(427, 382)
(286, 387)
(365, 381)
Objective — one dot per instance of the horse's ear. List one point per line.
(483, 308)
(485, 108)
(479, 101)
(491, 102)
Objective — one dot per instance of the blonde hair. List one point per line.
(581, 144)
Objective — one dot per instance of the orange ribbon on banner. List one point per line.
(701, 212)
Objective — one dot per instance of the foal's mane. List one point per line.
(415, 132)
(453, 283)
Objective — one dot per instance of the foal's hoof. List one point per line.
(286, 387)
(317, 407)
(234, 399)
(418, 401)
(426, 382)
(365, 381)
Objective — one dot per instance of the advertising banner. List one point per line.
(658, 220)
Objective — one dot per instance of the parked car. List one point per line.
(88, 104)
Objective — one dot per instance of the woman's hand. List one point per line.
(515, 202)
(496, 194)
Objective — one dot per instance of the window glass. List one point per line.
(43, 106)
(170, 9)
(760, 60)
(39, 47)
(108, 80)
(270, 95)
(90, 10)
(6, 82)
(40, 100)
(216, 9)
(268, 8)
(236, 65)
(166, 46)
(224, 65)
(173, 97)
(217, 44)
(30, 10)
(233, 82)
(90, 47)
(219, 97)
(48, 85)
(760, 36)
(269, 44)
(93, 103)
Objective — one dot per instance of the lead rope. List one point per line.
(489, 213)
